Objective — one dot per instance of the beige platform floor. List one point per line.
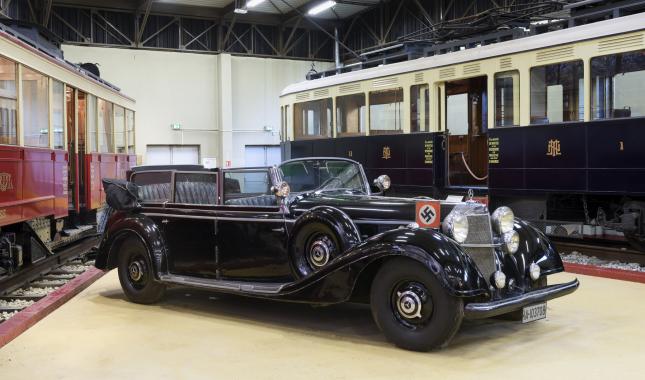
(597, 332)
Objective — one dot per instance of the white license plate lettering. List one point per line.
(534, 312)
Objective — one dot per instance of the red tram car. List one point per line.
(62, 129)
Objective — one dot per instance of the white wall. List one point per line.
(222, 102)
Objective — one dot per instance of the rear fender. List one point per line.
(123, 225)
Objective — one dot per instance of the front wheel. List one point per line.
(136, 273)
(412, 308)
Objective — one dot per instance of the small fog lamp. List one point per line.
(500, 279)
(534, 271)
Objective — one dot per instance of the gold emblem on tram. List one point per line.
(5, 182)
(387, 153)
(553, 148)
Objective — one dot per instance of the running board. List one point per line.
(236, 286)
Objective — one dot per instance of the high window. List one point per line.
(386, 111)
(313, 119)
(420, 108)
(119, 129)
(58, 114)
(35, 103)
(507, 99)
(129, 127)
(350, 115)
(92, 145)
(104, 127)
(617, 85)
(8, 102)
(557, 93)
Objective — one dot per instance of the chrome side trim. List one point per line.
(218, 218)
(234, 286)
(506, 305)
(466, 245)
(376, 221)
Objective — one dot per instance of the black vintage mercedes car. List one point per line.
(315, 230)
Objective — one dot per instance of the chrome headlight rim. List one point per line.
(503, 220)
(456, 226)
(511, 242)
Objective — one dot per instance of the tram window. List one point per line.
(119, 129)
(81, 119)
(386, 111)
(616, 82)
(557, 93)
(129, 127)
(8, 102)
(457, 114)
(58, 114)
(420, 108)
(104, 127)
(92, 139)
(350, 115)
(507, 99)
(313, 119)
(35, 94)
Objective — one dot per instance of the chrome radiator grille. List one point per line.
(479, 232)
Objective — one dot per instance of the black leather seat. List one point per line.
(157, 192)
(197, 193)
(260, 200)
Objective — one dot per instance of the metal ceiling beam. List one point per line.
(146, 6)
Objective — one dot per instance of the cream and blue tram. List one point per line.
(551, 124)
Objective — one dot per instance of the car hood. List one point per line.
(362, 207)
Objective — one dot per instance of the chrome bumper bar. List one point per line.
(507, 305)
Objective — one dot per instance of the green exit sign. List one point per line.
(175, 126)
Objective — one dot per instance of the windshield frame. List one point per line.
(366, 186)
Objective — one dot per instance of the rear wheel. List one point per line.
(136, 273)
(412, 308)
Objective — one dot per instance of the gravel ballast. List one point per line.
(579, 258)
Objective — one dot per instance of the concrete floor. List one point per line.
(596, 332)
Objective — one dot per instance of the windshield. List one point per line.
(326, 175)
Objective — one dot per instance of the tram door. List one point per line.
(466, 125)
(72, 190)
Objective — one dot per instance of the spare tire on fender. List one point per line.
(318, 237)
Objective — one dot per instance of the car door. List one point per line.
(189, 222)
(252, 239)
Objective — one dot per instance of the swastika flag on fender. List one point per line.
(428, 214)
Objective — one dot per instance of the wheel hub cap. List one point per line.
(409, 304)
(320, 252)
(136, 271)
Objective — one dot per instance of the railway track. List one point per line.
(605, 251)
(31, 284)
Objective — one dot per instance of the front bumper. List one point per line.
(507, 305)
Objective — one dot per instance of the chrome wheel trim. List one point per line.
(320, 251)
(135, 271)
(411, 304)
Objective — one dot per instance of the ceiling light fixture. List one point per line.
(253, 3)
(240, 10)
(321, 7)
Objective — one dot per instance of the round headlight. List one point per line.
(511, 242)
(503, 219)
(534, 271)
(459, 228)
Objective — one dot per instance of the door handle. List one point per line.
(281, 229)
(164, 221)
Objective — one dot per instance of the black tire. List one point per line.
(438, 318)
(319, 237)
(517, 315)
(136, 273)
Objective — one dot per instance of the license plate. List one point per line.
(534, 312)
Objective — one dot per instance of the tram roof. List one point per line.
(565, 36)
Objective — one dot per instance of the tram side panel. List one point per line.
(410, 160)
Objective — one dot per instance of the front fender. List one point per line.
(535, 247)
(126, 224)
(445, 258)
